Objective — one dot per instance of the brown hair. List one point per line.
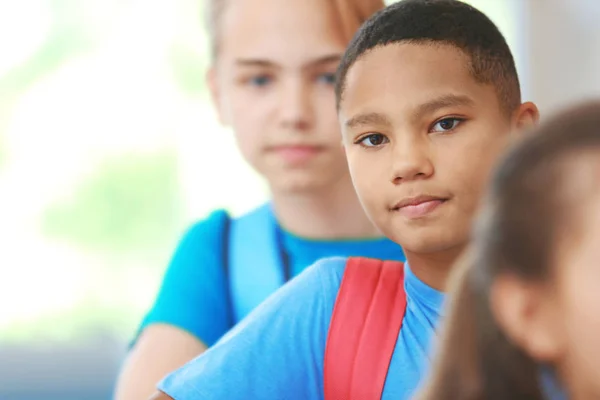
(517, 237)
(350, 15)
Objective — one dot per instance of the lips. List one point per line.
(418, 207)
(297, 153)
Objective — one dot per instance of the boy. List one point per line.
(428, 98)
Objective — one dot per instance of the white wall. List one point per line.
(563, 40)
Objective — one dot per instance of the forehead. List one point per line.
(286, 31)
(579, 202)
(580, 177)
(580, 241)
(398, 77)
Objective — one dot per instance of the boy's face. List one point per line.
(273, 84)
(421, 135)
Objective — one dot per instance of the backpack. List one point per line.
(360, 342)
(242, 248)
(364, 328)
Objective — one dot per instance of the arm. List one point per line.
(275, 353)
(161, 396)
(160, 349)
(191, 311)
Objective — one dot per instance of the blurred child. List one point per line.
(428, 98)
(272, 82)
(525, 316)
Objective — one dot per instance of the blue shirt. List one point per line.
(277, 352)
(194, 295)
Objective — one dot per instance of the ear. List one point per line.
(212, 83)
(526, 116)
(528, 316)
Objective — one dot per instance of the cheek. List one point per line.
(326, 119)
(469, 163)
(581, 299)
(368, 180)
(249, 124)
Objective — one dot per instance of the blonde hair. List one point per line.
(350, 15)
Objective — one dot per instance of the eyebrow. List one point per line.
(259, 62)
(448, 100)
(367, 119)
(429, 107)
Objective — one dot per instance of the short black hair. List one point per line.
(450, 22)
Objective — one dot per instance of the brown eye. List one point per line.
(373, 140)
(446, 124)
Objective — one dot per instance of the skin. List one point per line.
(288, 84)
(276, 92)
(159, 349)
(579, 361)
(412, 128)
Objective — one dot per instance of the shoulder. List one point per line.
(218, 220)
(214, 222)
(207, 233)
(323, 277)
(292, 324)
(192, 294)
(330, 271)
(202, 244)
(316, 289)
(304, 304)
(317, 286)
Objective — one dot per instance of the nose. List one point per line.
(295, 105)
(411, 160)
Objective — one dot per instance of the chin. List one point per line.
(296, 186)
(301, 182)
(425, 241)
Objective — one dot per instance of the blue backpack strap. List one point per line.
(254, 268)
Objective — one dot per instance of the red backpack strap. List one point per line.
(365, 325)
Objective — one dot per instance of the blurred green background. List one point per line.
(104, 159)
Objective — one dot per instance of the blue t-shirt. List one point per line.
(277, 352)
(194, 295)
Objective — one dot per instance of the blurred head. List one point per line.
(272, 79)
(529, 293)
(428, 97)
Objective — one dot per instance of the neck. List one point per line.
(433, 269)
(331, 213)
